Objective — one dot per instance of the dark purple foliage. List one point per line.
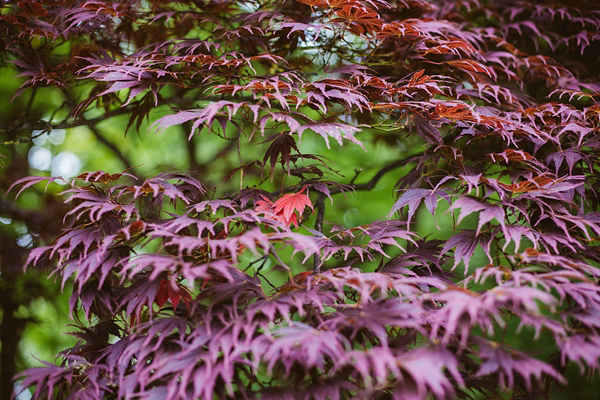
(194, 297)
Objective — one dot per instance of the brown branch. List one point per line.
(32, 218)
(380, 174)
(320, 202)
(46, 126)
(41, 125)
(191, 146)
(320, 206)
(362, 186)
(110, 145)
(10, 335)
(357, 172)
(11, 327)
(30, 102)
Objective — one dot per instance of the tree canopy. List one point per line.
(345, 198)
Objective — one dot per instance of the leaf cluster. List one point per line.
(191, 293)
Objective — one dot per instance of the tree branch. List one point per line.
(191, 146)
(380, 174)
(361, 186)
(32, 218)
(320, 206)
(65, 124)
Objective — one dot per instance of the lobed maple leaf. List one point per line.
(286, 208)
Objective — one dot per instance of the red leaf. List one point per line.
(471, 66)
(284, 209)
(163, 293)
(288, 203)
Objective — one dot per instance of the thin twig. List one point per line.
(110, 145)
(241, 161)
(263, 259)
(363, 186)
(266, 280)
(30, 102)
(320, 206)
(380, 174)
(357, 172)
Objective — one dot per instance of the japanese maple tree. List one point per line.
(246, 284)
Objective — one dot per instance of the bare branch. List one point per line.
(380, 174)
(320, 206)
